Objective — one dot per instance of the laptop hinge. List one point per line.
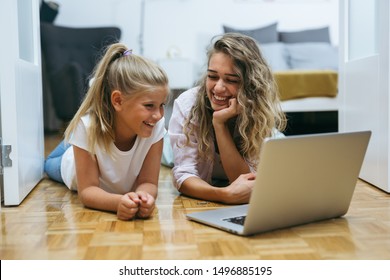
(5, 160)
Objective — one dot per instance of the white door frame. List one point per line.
(21, 97)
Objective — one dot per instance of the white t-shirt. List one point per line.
(117, 172)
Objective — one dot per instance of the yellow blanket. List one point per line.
(295, 84)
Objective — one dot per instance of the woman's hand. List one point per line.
(222, 116)
(239, 191)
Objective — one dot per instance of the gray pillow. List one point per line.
(308, 35)
(265, 34)
(312, 56)
(276, 55)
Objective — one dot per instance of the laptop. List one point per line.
(300, 179)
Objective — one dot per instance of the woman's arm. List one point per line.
(232, 161)
(237, 192)
(185, 155)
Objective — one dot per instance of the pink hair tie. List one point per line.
(127, 52)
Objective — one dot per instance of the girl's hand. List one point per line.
(128, 206)
(146, 205)
(222, 116)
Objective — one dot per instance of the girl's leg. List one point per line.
(53, 162)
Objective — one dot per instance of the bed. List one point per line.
(308, 90)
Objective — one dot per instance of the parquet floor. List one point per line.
(52, 224)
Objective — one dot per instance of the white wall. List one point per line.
(188, 25)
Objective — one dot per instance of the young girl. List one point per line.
(217, 128)
(112, 149)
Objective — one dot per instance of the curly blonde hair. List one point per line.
(121, 70)
(257, 94)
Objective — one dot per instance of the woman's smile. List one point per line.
(220, 100)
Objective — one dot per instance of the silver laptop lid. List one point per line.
(307, 178)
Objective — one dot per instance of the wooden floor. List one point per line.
(51, 223)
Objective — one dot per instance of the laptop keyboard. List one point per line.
(240, 220)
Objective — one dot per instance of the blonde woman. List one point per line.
(112, 149)
(217, 128)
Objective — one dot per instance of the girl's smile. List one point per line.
(150, 124)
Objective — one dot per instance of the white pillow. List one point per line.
(276, 55)
(310, 56)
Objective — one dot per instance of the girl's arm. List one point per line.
(147, 180)
(87, 173)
